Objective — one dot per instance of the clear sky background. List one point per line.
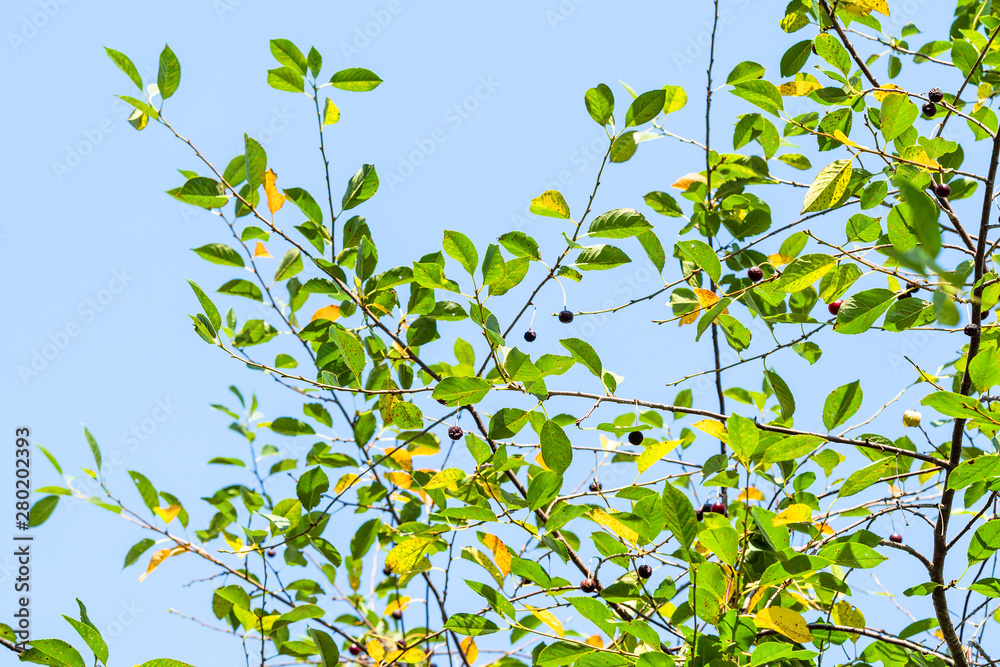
(95, 255)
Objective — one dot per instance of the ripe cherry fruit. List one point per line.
(942, 190)
(896, 538)
(935, 95)
(455, 433)
(530, 336)
(699, 513)
(929, 109)
(983, 315)
(387, 571)
(271, 553)
(355, 649)
(755, 273)
(565, 316)
(707, 508)
(719, 508)
(588, 585)
(645, 571)
(595, 487)
(970, 330)
(397, 614)
(635, 437)
(834, 307)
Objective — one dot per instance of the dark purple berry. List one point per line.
(595, 487)
(935, 95)
(645, 571)
(397, 614)
(755, 273)
(834, 307)
(970, 330)
(635, 437)
(588, 585)
(530, 336)
(387, 571)
(271, 553)
(896, 538)
(904, 295)
(706, 508)
(929, 109)
(983, 315)
(455, 433)
(355, 649)
(699, 513)
(565, 317)
(942, 190)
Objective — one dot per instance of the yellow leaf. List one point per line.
(654, 453)
(501, 555)
(400, 479)
(595, 641)
(798, 88)
(403, 458)
(846, 614)
(375, 650)
(886, 90)
(797, 513)
(779, 260)
(842, 138)
(470, 649)
(688, 318)
(716, 429)
(785, 622)
(399, 603)
(331, 114)
(684, 182)
(548, 618)
(261, 251)
(235, 543)
(750, 493)
(758, 596)
(405, 555)
(707, 299)
(603, 518)
(275, 200)
(159, 557)
(343, 483)
(541, 462)
(550, 203)
(168, 514)
(331, 313)
(411, 656)
(880, 6)
(825, 528)
(444, 478)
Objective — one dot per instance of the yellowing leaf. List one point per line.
(275, 200)
(595, 641)
(830, 185)
(779, 259)
(758, 596)
(541, 462)
(798, 88)
(399, 603)
(400, 479)
(331, 313)
(842, 138)
(470, 649)
(614, 525)
(403, 458)
(261, 251)
(785, 622)
(551, 204)
(825, 528)
(375, 650)
(654, 453)
(331, 114)
(716, 429)
(797, 513)
(158, 558)
(846, 614)
(750, 493)
(501, 555)
(548, 618)
(684, 182)
(880, 6)
(707, 299)
(343, 483)
(444, 478)
(168, 514)
(405, 555)
(885, 91)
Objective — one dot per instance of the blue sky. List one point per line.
(95, 255)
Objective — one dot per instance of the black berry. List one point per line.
(707, 508)
(387, 571)
(896, 537)
(397, 614)
(271, 553)
(588, 585)
(565, 317)
(834, 307)
(904, 295)
(698, 513)
(970, 330)
(929, 109)
(530, 336)
(635, 437)
(355, 649)
(595, 487)
(755, 273)
(983, 315)
(942, 190)
(935, 95)
(645, 571)
(455, 433)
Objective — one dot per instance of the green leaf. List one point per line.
(362, 186)
(620, 223)
(306, 203)
(350, 348)
(557, 452)
(92, 638)
(520, 244)
(290, 265)
(42, 510)
(795, 58)
(743, 436)
(663, 204)
(675, 99)
(828, 188)
(924, 218)
(125, 64)
(851, 554)
(859, 312)
(241, 287)
(459, 391)
(585, 354)
(210, 310)
(679, 516)
(168, 78)
(470, 624)
(898, 114)
(256, 162)
(220, 253)
(866, 477)
(459, 247)
(645, 108)
(782, 393)
(550, 204)
(985, 369)
(702, 254)
(974, 470)
(600, 102)
(291, 427)
(985, 541)
(53, 652)
(287, 79)
(311, 487)
(832, 51)
(286, 53)
(841, 404)
(356, 79)
(745, 71)
(329, 654)
(137, 550)
(762, 94)
(94, 449)
(600, 258)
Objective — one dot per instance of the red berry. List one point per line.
(455, 433)
(565, 316)
(755, 273)
(935, 95)
(929, 109)
(530, 336)
(645, 571)
(834, 307)
(355, 649)
(896, 537)
(635, 437)
(942, 190)
(588, 585)
(719, 508)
